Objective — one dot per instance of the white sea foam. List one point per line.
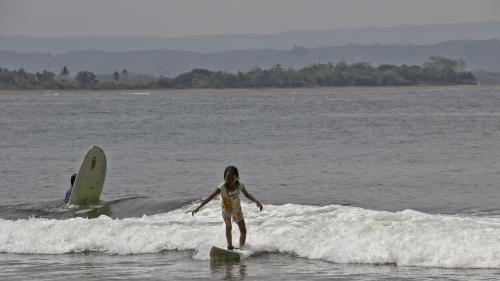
(333, 233)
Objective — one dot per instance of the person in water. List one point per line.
(230, 191)
(68, 193)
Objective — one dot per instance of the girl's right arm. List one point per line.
(210, 197)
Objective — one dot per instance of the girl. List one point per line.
(230, 191)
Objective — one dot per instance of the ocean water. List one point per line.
(357, 183)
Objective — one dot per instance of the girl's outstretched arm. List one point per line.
(210, 197)
(253, 199)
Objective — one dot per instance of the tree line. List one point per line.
(436, 71)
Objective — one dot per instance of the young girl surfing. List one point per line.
(230, 191)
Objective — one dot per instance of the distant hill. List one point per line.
(478, 54)
(397, 35)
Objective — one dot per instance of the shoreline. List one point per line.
(239, 90)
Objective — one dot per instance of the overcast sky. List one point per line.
(170, 18)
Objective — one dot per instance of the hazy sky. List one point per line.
(171, 18)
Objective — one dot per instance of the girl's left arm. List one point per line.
(253, 199)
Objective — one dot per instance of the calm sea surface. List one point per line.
(357, 183)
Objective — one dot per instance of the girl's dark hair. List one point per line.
(233, 171)
(73, 177)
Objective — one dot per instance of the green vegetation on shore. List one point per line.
(436, 71)
(488, 78)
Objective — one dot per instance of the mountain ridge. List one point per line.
(402, 34)
(478, 54)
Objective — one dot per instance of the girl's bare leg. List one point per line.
(229, 236)
(243, 232)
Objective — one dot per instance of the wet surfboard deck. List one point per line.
(89, 181)
(219, 254)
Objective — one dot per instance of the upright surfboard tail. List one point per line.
(89, 181)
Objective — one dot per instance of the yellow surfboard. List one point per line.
(89, 181)
(219, 254)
